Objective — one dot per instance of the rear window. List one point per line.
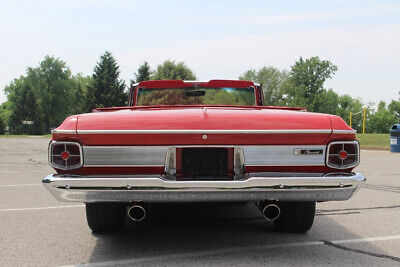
(196, 96)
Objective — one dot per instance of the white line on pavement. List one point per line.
(43, 208)
(12, 185)
(231, 250)
(367, 239)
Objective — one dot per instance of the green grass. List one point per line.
(374, 140)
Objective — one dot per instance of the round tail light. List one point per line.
(65, 155)
(343, 154)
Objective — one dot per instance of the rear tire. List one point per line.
(107, 217)
(296, 217)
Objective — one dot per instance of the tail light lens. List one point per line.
(343, 155)
(65, 155)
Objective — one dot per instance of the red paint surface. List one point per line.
(218, 118)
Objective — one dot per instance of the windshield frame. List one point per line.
(136, 94)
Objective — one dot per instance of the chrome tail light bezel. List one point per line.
(51, 156)
(343, 166)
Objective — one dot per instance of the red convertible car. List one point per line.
(210, 141)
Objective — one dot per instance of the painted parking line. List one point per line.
(231, 251)
(368, 239)
(43, 208)
(16, 185)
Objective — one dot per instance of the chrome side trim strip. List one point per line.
(304, 131)
(282, 156)
(63, 131)
(344, 131)
(311, 131)
(118, 156)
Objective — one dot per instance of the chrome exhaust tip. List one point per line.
(136, 212)
(271, 212)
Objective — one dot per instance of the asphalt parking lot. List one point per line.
(35, 229)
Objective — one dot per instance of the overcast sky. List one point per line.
(217, 39)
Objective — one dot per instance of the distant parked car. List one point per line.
(202, 141)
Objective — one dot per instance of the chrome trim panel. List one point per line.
(63, 131)
(155, 188)
(170, 163)
(282, 156)
(137, 156)
(96, 156)
(239, 165)
(344, 131)
(305, 131)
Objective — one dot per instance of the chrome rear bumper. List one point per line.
(155, 188)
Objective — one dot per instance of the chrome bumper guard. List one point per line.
(156, 188)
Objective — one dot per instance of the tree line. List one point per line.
(42, 98)
(303, 86)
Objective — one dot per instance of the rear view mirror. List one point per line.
(195, 93)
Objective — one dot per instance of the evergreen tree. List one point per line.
(2, 127)
(143, 73)
(106, 90)
(78, 91)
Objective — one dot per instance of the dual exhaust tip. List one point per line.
(270, 211)
(136, 212)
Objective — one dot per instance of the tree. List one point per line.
(307, 78)
(170, 70)
(394, 108)
(382, 120)
(143, 73)
(2, 126)
(78, 93)
(23, 105)
(275, 82)
(46, 95)
(50, 85)
(5, 113)
(349, 104)
(329, 101)
(106, 90)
